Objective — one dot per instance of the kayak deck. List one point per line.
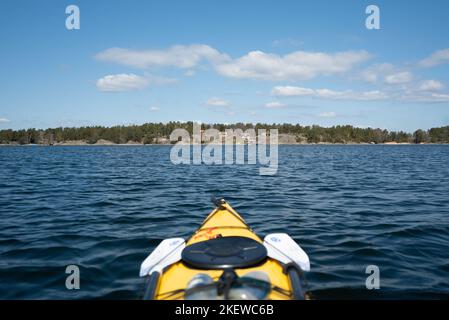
(221, 222)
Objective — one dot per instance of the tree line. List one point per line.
(156, 132)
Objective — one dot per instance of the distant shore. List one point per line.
(75, 143)
(159, 134)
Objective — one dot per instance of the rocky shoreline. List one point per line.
(284, 139)
(133, 143)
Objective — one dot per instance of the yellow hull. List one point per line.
(221, 222)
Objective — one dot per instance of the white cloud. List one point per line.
(431, 85)
(177, 56)
(299, 65)
(290, 91)
(4, 120)
(387, 73)
(408, 90)
(424, 97)
(189, 73)
(329, 114)
(121, 82)
(399, 78)
(376, 72)
(436, 58)
(439, 97)
(154, 109)
(217, 102)
(274, 105)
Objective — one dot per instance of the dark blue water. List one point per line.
(105, 209)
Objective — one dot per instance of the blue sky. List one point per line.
(133, 62)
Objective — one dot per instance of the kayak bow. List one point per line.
(225, 259)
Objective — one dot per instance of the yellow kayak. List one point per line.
(225, 259)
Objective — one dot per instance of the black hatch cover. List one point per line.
(224, 252)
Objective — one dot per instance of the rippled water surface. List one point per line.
(105, 209)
